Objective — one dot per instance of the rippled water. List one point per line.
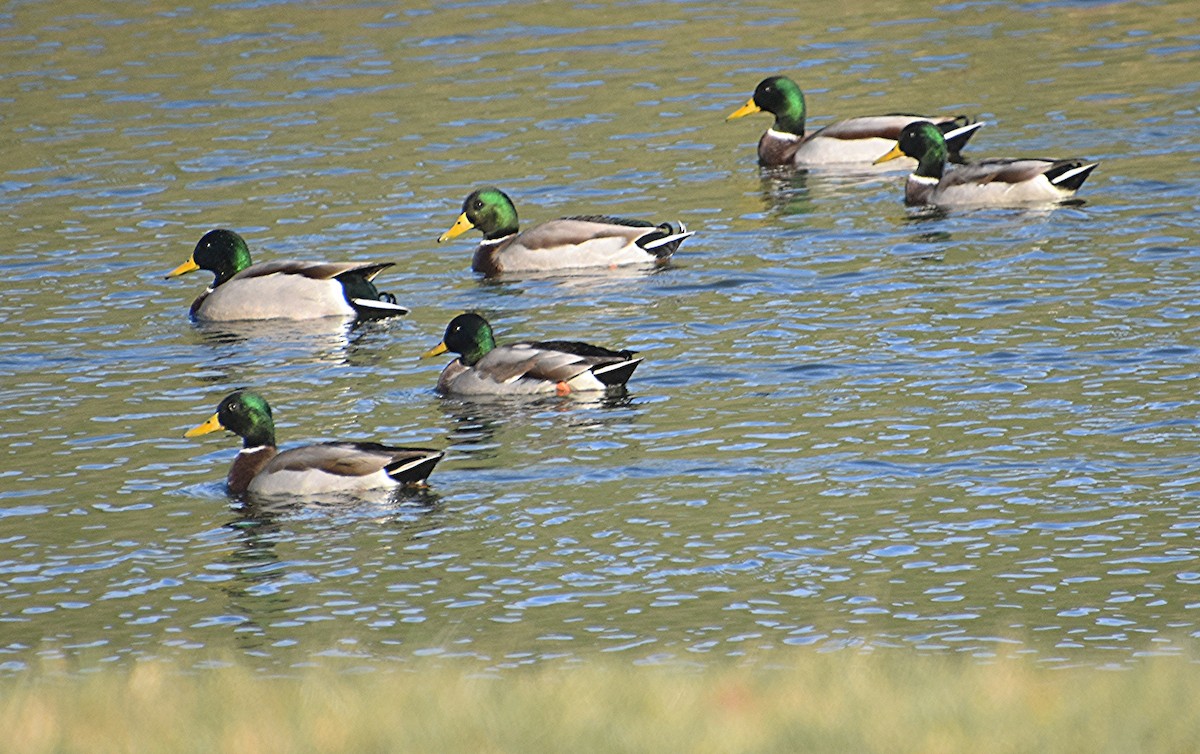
(857, 424)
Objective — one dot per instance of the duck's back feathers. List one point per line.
(1002, 182)
(528, 368)
(864, 139)
(858, 140)
(610, 220)
(577, 242)
(534, 362)
(578, 348)
(564, 244)
(599, 235)
(992, 182)
(311, 469)
(660, 240)
(535, 368)
(292, 289)
(313, 270)
(870, 126)
(609, 367)
(342, 466)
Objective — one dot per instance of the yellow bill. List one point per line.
(437, 350)
(212, 425)
(747, 109)
(890, 155)
(460, 226)
(188, 266)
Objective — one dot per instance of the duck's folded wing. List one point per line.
(312, 270)
(347, 459)
(597, 353)
(574, 231)
(526, 360)
(998, 170)
(333, 466)
(886, 126)
(868, 127)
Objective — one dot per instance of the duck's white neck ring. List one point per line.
(782, 135)
(496, 241)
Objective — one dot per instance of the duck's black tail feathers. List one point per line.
(957, 133)
(413, 465)
(665, 239)
(365, 298)
(615, 374)
(1069, 175)
(378, 308)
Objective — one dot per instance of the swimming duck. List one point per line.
(312, 469)
(854, 140)
(991, 182)
(566, 243)
(284, 289)
(553, 366)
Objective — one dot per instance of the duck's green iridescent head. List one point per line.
(468, 335)
(490, 211)
(244, 413)
(221, 252)
(781, 97)
(923, 142)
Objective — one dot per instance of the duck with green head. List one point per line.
(563, 244)
(993, 182)
(311, 469)
(529, 368)
(854, 140)
(286, 289)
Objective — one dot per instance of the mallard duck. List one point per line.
(854, 140)
(552, 366)
(284, 289)
(992, 182)
(567, 243)
(312, 469)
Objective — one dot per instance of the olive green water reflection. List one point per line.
(856, 425)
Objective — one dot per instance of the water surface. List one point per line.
(857, 425)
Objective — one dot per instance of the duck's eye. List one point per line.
(478, 204)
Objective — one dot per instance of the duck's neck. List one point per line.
(260, 433)
(484, 345)
(231, 265)
(507, 227)
(932, 163)
(790, 118)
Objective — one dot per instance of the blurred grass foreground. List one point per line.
(838, 702)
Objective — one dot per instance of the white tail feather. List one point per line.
(394, 470)
(380, 306)
(668, 239)
(1075, 171)
(618, 365)
(964, 130)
